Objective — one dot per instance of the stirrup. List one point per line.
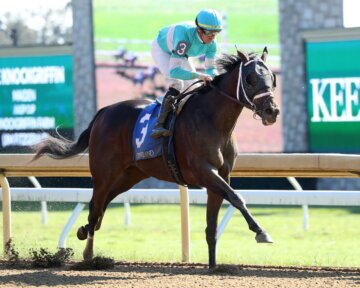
(160, 132)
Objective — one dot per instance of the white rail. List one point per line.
(171, 196)
(195, 196)
(247, 165)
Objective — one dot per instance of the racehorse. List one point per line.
(204, 147)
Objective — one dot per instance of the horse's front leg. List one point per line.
(218, 185)
(214, 202)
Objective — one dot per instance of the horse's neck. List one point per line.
(224, 112)
(227, 111)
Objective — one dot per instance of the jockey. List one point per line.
(171, 50)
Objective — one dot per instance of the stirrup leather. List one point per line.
(160, 132)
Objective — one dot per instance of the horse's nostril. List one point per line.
(272, 111)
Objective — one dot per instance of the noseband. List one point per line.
(240, 84)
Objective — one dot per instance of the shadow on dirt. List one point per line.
(146, 271)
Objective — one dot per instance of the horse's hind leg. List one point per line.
(108, 200)
(83, 230)
(102, 195)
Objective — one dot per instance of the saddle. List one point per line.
(179, 104)
(168, 143)
(146, 147)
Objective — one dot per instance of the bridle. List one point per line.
(239, 96)
(240, 84)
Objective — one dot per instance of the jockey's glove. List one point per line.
(205, 77)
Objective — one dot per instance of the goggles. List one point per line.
(210, 32)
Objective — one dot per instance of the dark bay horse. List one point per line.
(205, 149)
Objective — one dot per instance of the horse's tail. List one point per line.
(60, 148)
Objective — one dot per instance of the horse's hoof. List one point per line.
(87, 255)
(224, 269)
(81, 233)
(212, 270)
(263, 237)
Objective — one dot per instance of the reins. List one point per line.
(226, 94)
(186, 92)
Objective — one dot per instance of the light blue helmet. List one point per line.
(209, 19)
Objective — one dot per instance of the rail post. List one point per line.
(185, 223)
(6, 207)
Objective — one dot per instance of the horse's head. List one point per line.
(255, 87)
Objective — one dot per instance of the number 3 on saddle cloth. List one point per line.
(146, 147)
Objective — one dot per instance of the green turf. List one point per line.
(253, 22)
(154, 235)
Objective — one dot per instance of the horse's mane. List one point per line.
(225, 63)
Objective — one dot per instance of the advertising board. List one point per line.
(333, 86)
(36, 95)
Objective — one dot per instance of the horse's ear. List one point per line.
(244, 57)
(264, 54)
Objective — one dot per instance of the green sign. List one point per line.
(36, 97)
(333, 87)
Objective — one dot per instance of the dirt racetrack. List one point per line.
(136, 275)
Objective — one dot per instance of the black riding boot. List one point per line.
(166, 107)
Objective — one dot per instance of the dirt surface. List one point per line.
(147, 275)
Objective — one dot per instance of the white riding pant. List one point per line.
(162, 61)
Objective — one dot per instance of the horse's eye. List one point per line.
(251, 79)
